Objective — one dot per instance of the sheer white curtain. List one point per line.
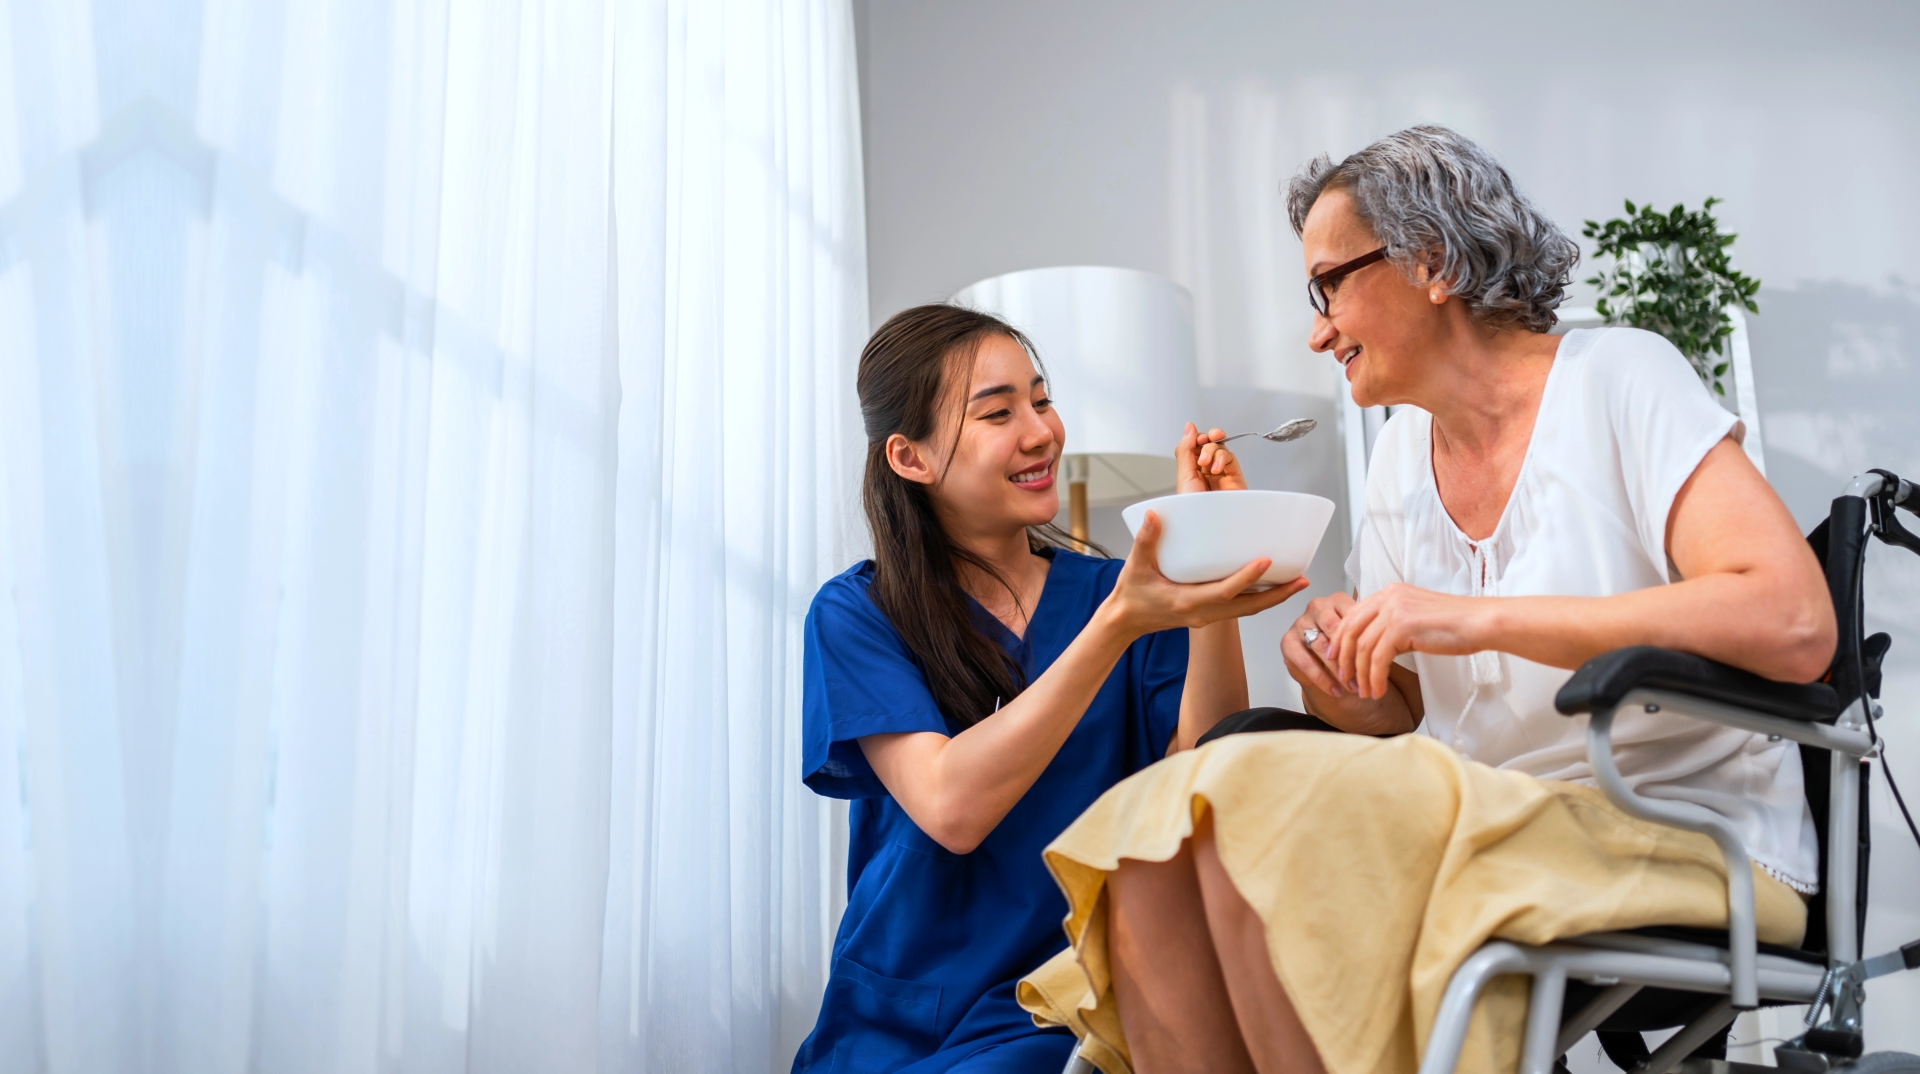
(422, 425)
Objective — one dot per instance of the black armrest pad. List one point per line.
(1603, 681)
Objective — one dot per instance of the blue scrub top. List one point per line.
(933, 942)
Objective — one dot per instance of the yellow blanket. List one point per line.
(1377, 867)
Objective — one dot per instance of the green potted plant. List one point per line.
(1670, 274)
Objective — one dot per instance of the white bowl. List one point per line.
(1205, 536)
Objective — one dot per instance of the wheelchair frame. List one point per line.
(1624, 963)
(1627, 962)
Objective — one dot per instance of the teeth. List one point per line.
(1030, 475)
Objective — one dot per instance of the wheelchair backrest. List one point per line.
(1840, 542)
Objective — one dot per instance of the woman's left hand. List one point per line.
(1144, 601)
(1201, 464)
(1401, 619)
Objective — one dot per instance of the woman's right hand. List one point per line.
(1144, 601)
(1202, 463)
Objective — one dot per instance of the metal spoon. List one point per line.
(1292, 430)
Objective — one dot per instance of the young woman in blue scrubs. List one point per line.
(974, 687)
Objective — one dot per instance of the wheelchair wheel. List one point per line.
(1882, 1063)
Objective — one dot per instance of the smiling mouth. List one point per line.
(1347, 356)
(1035, 479)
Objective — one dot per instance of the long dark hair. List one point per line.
(916, 582)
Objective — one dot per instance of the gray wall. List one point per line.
(1009, 134)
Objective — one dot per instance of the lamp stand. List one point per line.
(1077, 498)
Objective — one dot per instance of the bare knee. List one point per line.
(1210, 873)
(1153, 887)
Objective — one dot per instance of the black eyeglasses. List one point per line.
(1323, 285)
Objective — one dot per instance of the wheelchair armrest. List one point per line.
(1602, 682)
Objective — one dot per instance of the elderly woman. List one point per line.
(1293, 901)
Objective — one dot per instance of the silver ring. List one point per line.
(1310, 635)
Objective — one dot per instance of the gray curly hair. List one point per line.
(1435, 198)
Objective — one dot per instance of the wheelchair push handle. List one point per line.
(1886, 488)
(1867, 508)
(1899, 491)
(1884, 485)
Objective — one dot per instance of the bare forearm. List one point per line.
(1737, 619)
(960, 788)
(1753, 596)
(1216, 685)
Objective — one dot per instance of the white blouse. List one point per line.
(1622, 424)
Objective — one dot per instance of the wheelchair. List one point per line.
(1620, 983)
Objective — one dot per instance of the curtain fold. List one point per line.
(422, 427)
(742, 504)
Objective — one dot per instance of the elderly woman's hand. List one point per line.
(1307, 660)
(1202, 464)
(1401, 619)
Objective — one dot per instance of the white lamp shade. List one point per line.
(1119, 355)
